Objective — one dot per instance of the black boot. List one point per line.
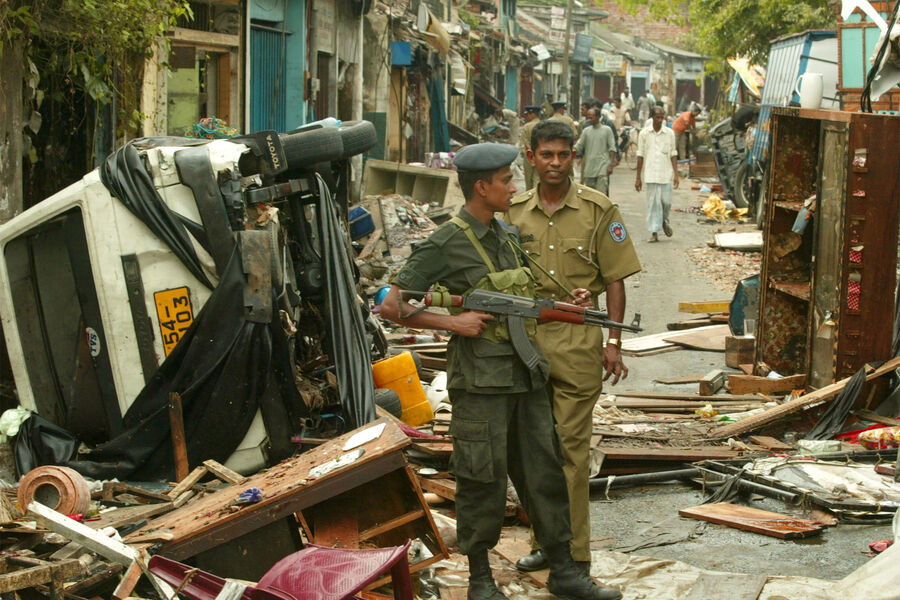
(569, 581)
(535, 561)
(481, 581)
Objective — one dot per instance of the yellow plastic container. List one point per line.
(399, 373)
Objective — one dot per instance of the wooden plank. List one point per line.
(372, 242)
(679, 380)
(750, 384)
(712, 382)
(129, 581)
(179, 446)
(777, 412)
(869, 415)
(747, 368)
(126, 515)
(703, 338)
(754, 519)
(770, 443)
(111, 488)
(77, 532)
(727, 585)
(188, 482)
(391, 524)
(223, 472)
(697, 397)
(43, 572)
(654, 341)
(712, 306)
(691, 454)
(434, 448)
(445, 488)
(690, 324)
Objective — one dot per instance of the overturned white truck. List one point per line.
(219, 270)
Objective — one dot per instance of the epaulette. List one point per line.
(592, 195)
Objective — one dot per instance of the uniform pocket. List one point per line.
(577, 254)
(472, 457)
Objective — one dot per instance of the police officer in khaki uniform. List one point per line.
(502, 422)
(579, 238)
(532, 118)
(559, 114)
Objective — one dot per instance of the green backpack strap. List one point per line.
(475, 242)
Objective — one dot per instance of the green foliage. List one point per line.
(723, 29)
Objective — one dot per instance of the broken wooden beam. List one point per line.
(739, 350)
(782, 410)
(223, 472)
(751, 384)
(712, 382)
(179, 444)
(188, 482)
(40, 573)
(77, 532)
(770, 443)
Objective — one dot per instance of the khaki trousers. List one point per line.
(575, 354)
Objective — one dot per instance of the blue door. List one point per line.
(268, 78)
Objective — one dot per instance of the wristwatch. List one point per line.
(614, 342)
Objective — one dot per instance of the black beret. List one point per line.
(531, 108)
(558, 104)
(489, 156)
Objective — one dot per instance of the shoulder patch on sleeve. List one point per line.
(617, 231)
(598, 198)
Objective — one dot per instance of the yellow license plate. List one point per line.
(173, 307)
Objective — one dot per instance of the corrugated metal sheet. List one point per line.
(267, 79)
(790, 57)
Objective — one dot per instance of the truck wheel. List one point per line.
(741, 184)
(357, 137)
(306, 148)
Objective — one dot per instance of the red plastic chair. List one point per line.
(314, 573)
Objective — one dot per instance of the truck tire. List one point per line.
(357, 137)
(389, 401)
(306, 148)
(740, 185)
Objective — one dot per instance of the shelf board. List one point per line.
(794, 205)
(797, 289)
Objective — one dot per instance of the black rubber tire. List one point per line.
(739, 185)
(389, 401)
(357, 137)
(304, 149)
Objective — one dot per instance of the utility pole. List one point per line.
(564, 89)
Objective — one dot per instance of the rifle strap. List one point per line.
(475, 242)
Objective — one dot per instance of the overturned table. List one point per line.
(365, 496)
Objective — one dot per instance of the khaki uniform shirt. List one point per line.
(448, 257)
(583, 244)
(567, 120)
(525, 134)
(547, 110)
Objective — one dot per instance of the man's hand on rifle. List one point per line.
(471, 323)
(613, 365)
(581, 297)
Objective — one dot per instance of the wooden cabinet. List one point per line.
(827, 290)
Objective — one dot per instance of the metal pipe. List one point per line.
(758, 488)
(600, 483)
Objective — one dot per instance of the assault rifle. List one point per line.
(515, 309)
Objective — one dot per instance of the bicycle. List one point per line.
(628, 147)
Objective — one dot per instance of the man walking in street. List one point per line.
(501, 423)
(657, 167)
(597, 148)
(643, 107)
(620, 116)
(531, 119)
(573, 235)
(627, 102)
(685, 126)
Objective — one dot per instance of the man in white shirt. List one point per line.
(657, 167)
(628, 102)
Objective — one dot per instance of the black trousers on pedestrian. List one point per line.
(495, 435)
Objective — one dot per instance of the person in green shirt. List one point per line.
(501, 423)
